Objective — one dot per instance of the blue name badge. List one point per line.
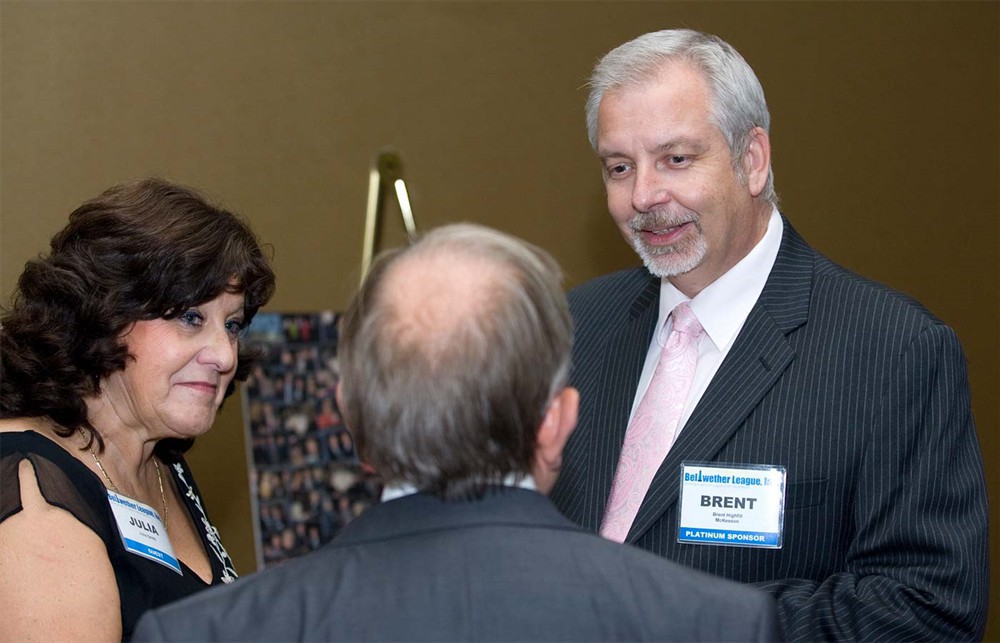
(142, 531)
(731, 504)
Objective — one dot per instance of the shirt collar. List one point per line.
(399, 490)
(723, 305)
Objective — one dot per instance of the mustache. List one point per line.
(660, 219)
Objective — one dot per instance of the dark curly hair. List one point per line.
(142, 250)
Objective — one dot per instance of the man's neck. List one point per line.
(400, 489)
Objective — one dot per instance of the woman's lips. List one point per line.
(201, 387)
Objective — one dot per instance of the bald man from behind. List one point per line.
(454, 360)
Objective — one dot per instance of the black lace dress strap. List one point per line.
(67, 483)
(62, 479)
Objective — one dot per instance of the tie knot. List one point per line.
(685, 320)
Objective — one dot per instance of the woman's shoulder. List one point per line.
(60, 478)
(21, 424)
(51, 528)
(23, 437)
(30, 431)
(19, 440)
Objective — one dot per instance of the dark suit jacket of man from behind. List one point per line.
(506, 567)
(861, 394)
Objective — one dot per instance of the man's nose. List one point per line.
(649, 190)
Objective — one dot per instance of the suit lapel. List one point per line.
(610, 398)
(755, 363)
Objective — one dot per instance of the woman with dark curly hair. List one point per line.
(115, 354)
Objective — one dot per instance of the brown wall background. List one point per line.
(886, 141)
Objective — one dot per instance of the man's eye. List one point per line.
(678, 160)
(618, 169)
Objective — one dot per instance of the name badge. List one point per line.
(142, 531)
(732, 504)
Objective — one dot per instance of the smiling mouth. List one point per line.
(204, 387)
(669, 229)
(665, 235)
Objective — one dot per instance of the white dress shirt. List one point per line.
(722, 308)
(391, 492)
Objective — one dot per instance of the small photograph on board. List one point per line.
(306, 482)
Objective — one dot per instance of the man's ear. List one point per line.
(757, 161)
(338, 395)
(557, 425)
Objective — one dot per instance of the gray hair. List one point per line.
(738, 103)
(450, 354)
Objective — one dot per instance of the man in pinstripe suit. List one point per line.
(856, 392)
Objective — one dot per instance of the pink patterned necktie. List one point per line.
(654, 426)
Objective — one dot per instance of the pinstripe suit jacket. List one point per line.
(862, 395)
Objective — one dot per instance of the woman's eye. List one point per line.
(191, 318)
(236, 328)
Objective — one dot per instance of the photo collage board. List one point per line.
(306, 482)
